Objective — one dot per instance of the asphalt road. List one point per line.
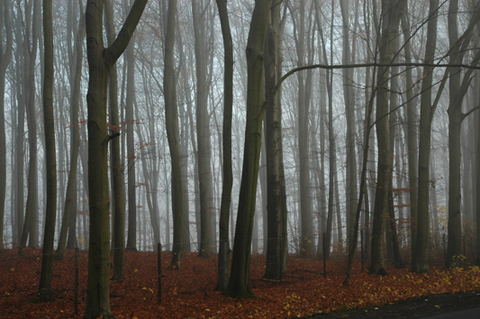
(463, 305)
(473, 313)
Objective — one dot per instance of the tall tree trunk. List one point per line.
(458, 89)
(420, 255)
(331, 142)
(71, 192)
(391, 20)
(45, 288)
(21, 63)
(131, 156)
(238, 285)
(477, 180)
(276, 193)
(224, 247)
(171, 117)
(392, 220)
(30, 52)
(184, 154)
(116, 169)
(412, 143)
(349, 98)
(203, 135)
(307, 246)
(5, 56)
(101, 60)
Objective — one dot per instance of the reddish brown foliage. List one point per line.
(190, 292)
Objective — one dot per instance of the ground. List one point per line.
(413, 308)
(190, 292)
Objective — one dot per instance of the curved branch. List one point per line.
(114, 51)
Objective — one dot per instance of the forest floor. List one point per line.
(190, 292)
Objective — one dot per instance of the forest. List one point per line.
(284, 128)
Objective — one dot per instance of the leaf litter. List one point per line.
(191, 291)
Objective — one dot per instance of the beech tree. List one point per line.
(100, 61)
(390, 23)
(5, 56)
(45, 288)
(204, 151)
(118, 237)
(458, 87)
(427, 109)
(224, 246)
(276, 193)
(75, 79)
(238, 285)
(171, 118)
(29, 46)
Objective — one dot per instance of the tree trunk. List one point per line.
(21, 63)
(238, 285)
(5, 56)
(458, 89)
(224, 247)
(71, 192)
(29, 226)
(171, 117)
(100, 62)
(420, 255)
(276, 193)
(203, 136)
(131, 156)
(349, 97)
(45, 289)
(477, 181)
(391, 20)
(412, 143)
(116, 169)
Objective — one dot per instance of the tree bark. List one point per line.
(420, 260)
(349, 98)
(171, 117)
(45, 288)
(239, 285)
(412, 142)
(457, 90)
(204, 151)
(30, 52)
(5, 57)
(224, 247)
(276, 193)
(101, 60)
(390, 24)
(71, 192)
(118, 237)
(131, 155)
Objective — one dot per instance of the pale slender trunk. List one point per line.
(412, 143)
(5, 57)
(71, 192)
(203, 135)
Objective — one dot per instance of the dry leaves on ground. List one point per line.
(190, 292)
